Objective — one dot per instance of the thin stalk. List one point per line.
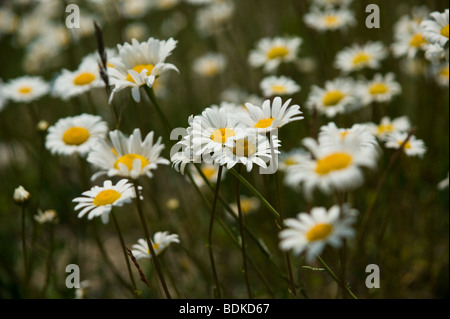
(149, 242)
(24, 249)
(49, 258)
(241, 229)
(335, 278)
(152, 97)
(211, 223)
(124, 251)
(343, 249)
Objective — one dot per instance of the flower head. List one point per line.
(25, 89)
(160, 241)
(358, 57)
(21, 196)
(435, 30)
(413, 147)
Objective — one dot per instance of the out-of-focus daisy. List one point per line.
(358, 57)
(333, 168)
(435, 30)
(388, 126)
(127, 156)
(160, 241)
(99, 200)
(21, 196)
(25, 89)
(271, 52)
(214, 18)
(336, 97)
(47, 216)
(173, 24)
(77, 134)
(414, 146)
(210, 64)
(408, 41)
(210, 171)
(310, 233)
(246, 149)
(134, 9)
(330, 19)
(248, 205)
(380, 89)
(73, 83)
(278, 85)
(139, 63)
(436, 54)
(443, 184)
(136, 30)
(271, 115)
(441, 73)
(292, 158)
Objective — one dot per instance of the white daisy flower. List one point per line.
(291, 158)
(271, 115)
(127, 156)
(435, 30)
(310, 233)
(209, 170)
(134, 9)
(248, 205)
(214, 18)
(21, 196)
(73, 83)
(388, 126)
(278, 85)
(271, 52)
(408, 39)
(139, 63)
(160, 241)
(441, 73)
(436, 54)
(414, 146)
(25, 89)
(380, 89)
(358, 57)
(329, 20)
(336, 97)
(48, 216)
(246, 149)
(358, 135)
(77, 134)
(444, 183)
(332, 168)
(99, 200)
(209, 65)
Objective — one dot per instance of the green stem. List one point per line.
(241, 229)
(124, 251)
(152, 97)
(149, 242)
(49, 258)
(24, 249)
(335, 278)
(211, 223)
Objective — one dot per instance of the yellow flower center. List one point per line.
(75, 135)
(332, 98)
(331, 20)
(277, 52)
(444, 72)
(139, 68)
(244, 148)
(128, 160)
(407, 145)
(361, 58)
(84, 78)
(319, 232)
(106, 197)
(344, 134)
(211, 69)
(333, 162)
(222, 134)
(290, 161)
(25, 89)
(247, 205)
(385, 128)
(417, 40)
(264, 123)
(208, 172)
(378, 88)
(444, 31)
(278, 89)
(155, 248)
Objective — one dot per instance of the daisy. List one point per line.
(336, 97)
(21, 196)
(209, 65)
(409, 40)
(278, 85)
(77, 134)
(134, 9)
(310, 233)
(127, 156)
(436, 54)
(329, 20)
(358, 57)
(435, 30)
(99, 200)
(332, 168)
(210, 171)
(441, 73)
(248, 205)
(247, 149)
(388, 126)
(271, 115)
(73, 83)
(414, 146)
(444, 183)
(160, 241)
(380, 89)
(271, 52)
(139, 63)
(214, 17)
(49, 216)
(25, 89)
